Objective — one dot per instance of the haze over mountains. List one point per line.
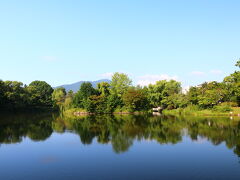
(75, 86)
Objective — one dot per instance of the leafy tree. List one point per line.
(104, 88)
(192, 95)
(211, 94)
(176, 101)
(58, 95)
(172, 87)
(78, 100)
(158, 93)
(86, 90)
(70, 93)
(40, 93)
(113, 101)
(96, 104)
(120, 83)
(68, 102)
(15, 94)
(232, 83)
(135, 100)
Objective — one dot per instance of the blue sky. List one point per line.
(64, 41)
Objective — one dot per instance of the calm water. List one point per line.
(47, 146)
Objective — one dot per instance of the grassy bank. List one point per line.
(82, 112)
(74, 111)
(234, 111)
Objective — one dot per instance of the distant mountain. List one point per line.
(75, 86)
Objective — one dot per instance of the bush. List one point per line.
(222, 108)
(193, 108)
(123, 109)
(231, 104)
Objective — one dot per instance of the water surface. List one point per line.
(48, 146)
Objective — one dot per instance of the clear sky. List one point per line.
(64, 41)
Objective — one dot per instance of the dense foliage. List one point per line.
(14, 94)
(121, 96)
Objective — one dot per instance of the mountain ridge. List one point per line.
(75, 86)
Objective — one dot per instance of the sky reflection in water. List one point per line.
(48, 146)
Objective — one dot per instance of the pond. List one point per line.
(48, 146)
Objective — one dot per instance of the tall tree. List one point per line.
(58, 96)
(40, 93)
(233, 86)
(211, 94)
(135, 100)
(15, 94)
(68, 102)
(192, 95)
(86, 90)
(104, 88)
(120, 83)
(158, 93)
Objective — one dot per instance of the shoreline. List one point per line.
(207, 113)
(118, 113)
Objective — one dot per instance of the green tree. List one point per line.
(68, 102)
(113, 101)
(104, 88)
(86, 90)
(120, 83)
(135, 100)
(58, 97)
(192, 95)
(70, 93)
(96, 104)
(158, 93)
(40, 93)
(176, 101)
(211, 94)
(232, 83)
(15, 94)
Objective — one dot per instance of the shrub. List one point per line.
(193, 108)
(231, 104)
(222, 108)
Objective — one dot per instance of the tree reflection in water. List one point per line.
(121, 130)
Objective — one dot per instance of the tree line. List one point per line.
(121, 96)
(15, 95)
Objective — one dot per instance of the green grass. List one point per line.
(70, 112)
(234, 111)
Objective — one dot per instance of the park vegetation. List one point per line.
(120, 96)
(15, 95)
